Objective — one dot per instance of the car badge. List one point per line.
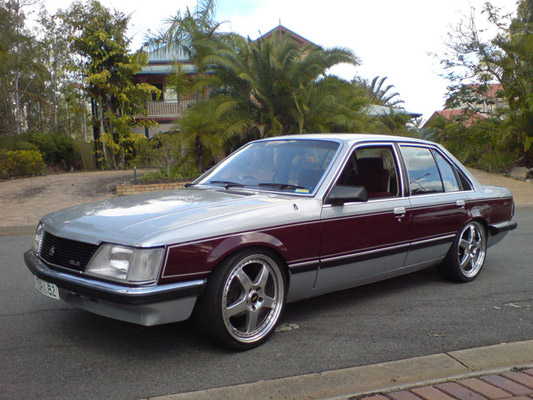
(52, 251)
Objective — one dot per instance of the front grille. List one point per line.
(66, 253)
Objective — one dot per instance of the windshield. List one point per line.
(295, 166)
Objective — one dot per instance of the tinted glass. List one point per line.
(285, 165)
(447, 173)
(423, 172)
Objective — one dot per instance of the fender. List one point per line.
(196, 260)
(235, 243)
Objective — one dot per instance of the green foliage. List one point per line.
(476, 143)
(21, 163)
(26, 146)
(378, 93)
(182, 172)
(507, 60)
(272, 86)
(496, 161)
(37, 89)
(99, 38)
(56, 149)
(199, 133)
(162, 151)
(165, 151)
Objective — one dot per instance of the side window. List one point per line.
(373, 167)
(449, 179)
(423, 173)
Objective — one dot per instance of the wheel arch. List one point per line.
(255, 240)
(483, 223)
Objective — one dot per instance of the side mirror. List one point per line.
(341, 194)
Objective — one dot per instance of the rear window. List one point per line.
(447, 173)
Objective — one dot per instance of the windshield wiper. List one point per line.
(282, 186)
(227, 184)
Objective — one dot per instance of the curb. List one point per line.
(377, 378)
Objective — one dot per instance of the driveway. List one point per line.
(24, 201)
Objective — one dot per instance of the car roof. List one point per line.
(349, 138)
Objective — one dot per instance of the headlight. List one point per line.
(126, 263)
(37, 237)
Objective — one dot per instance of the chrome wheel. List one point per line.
(471, 250)
(252, 298)
(466, 256)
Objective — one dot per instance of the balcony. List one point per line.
(167, 109)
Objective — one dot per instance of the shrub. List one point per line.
(26, 146)
(56, 149)
(497, 161)
(21, 163)
(163, 151)
(3, 164)
(185, 171)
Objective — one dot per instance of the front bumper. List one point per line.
(143, 305)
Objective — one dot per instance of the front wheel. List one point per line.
(244, 300)
(466, 257)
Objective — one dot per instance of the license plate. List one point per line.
(46, 288)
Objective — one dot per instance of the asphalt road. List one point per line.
(51, 351)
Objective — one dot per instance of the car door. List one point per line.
(437, 204)
(367, 241)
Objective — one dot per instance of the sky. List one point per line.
(392, 38)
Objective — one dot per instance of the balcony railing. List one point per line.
(167, 109)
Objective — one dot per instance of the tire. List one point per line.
(244, 300)
(466, 257)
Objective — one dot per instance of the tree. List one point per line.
(199, 127)
(377, 93)
(190, 31)
(99, 38)
(270, 87)
(17, 62)
(473, 62)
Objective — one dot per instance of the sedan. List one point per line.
(280, 220)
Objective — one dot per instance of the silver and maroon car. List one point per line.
(280, 220)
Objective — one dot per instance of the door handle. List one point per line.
(399, 212)
(460, 203)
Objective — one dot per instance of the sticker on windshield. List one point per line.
(302, 190)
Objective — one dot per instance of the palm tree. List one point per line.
(188, 30)
(198, 128)
(378, 93)
(271, 86)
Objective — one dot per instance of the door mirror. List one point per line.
(341, 194)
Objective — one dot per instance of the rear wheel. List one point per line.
(244, 300)
(466, 257)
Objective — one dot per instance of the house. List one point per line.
(375, 110)
(166, 108)
(169, 106)
(473, 102)
(481, 99)
(282, 32)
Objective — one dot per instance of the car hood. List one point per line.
(166, 217)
